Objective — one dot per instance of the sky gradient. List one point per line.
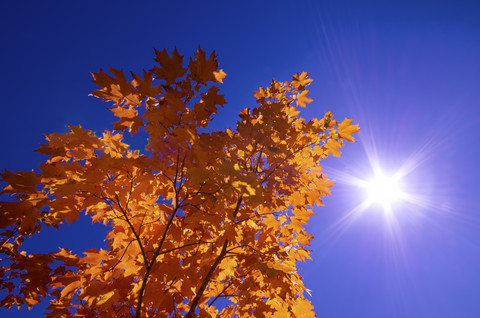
(407, 72)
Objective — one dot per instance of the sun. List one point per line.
(383, 189)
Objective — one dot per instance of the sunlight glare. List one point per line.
(383, 190)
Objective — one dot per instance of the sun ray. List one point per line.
(336, 229)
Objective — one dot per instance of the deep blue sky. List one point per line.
(406, 71)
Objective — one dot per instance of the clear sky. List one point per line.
(406, 71)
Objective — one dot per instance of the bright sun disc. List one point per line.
(383, 190)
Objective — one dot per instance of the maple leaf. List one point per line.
(200, 215)
(19, 181)
(303, 308)
(115, 88)
(145, 86)
(170, 68)
(300, 81)
(346, 129)
(302, 99)
(203, 70)
(128, 119)
(332, 147)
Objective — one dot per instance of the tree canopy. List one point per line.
(200, 215)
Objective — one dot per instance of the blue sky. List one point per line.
(407, 72)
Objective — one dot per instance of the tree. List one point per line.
(199, 216)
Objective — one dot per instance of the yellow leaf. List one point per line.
(219, 75)
(244, 187)
(303, 308)
(332, 147)
(346, 129)
(105, 298)
(302, 98)
(300, 81)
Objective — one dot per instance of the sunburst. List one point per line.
(383, 189)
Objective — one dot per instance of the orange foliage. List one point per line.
(198, 217)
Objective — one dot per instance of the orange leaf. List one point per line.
(203, 70)
(170, 68)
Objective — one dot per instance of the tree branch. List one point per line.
(157, 252)
(207, 279)
(221, 293)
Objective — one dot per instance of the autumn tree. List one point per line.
(198, 216)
